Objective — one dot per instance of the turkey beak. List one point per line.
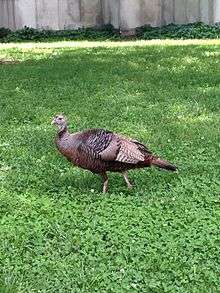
(53, 122)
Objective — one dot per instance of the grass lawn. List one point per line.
(58, 232)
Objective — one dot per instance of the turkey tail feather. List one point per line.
(163, 164)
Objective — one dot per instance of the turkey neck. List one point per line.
(62, 139)
(63, 132)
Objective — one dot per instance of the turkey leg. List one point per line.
(125, 174)
(105, 184)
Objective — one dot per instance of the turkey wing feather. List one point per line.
(108, 146)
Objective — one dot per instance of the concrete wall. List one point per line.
(124, 14)
(216, 15)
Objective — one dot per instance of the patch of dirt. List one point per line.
(4, 61)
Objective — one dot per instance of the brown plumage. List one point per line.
(100, 150)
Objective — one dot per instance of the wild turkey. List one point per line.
(100, 150)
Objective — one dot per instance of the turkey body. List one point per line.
(100, 150)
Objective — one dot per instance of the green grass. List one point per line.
(58, 232)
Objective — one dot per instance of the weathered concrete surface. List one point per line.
(129, 14)
(216, 14)
(140, 12)
(7, 17)
(123, 14)
(204, 11)
(47, 14)
(192, 11)
(167, 12)
(24, 13)
(3, 14)
(69, 14)
(91, 13)
(180, 11)
(150, 12)
(114, 12)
